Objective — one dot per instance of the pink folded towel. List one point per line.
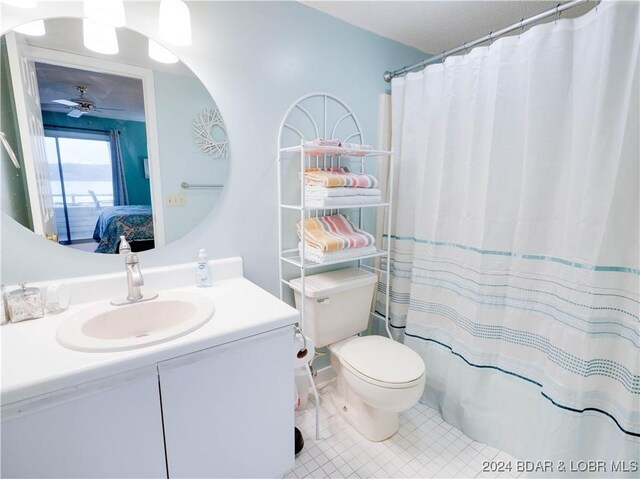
(323, 142)
(335, 147)
(325, 147)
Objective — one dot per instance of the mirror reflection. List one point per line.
(108, 145)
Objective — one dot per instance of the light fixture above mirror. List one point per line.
(174, 25)
(21, 3)
(99, 38)
(34, 29)
(160, 53)
(106, 12)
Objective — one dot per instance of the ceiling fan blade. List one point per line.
(75, 113)
(65, 102)
(53, 105)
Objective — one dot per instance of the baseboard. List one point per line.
(324, 376)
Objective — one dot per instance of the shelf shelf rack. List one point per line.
(299, 124)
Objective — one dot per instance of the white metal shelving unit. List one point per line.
(300, 124)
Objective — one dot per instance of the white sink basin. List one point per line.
(107, 328)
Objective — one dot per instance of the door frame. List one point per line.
(73, 60)
(24, 88)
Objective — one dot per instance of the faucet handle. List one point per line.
(125, 247)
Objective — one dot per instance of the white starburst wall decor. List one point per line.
(210, 134)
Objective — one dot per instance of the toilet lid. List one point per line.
(383, 359)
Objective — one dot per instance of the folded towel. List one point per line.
(335, 177)
(341, 201)
(326, 147)
(311, 191)
(335, 147)
(323, 142)
(317, 256)
(333, 233)
(362, 149)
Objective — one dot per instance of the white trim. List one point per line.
(83, 135)
(55, 57)
(15, 69)
(19, 71)
(325, 376)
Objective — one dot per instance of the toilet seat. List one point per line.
(382, 362)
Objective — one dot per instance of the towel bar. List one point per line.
(188, 186)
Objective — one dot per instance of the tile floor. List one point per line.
(424, 447)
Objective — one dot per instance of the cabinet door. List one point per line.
(228, 410)
(110, 428)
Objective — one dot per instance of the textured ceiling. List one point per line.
(435, 26)
(116, 97)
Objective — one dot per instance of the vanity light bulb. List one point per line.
(107, 12)
(34, 29)
(175, 22)
(160, 53)
(21, 3)
(99, 38)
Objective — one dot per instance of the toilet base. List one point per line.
(374, 424)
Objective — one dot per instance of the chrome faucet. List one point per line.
(134, 277)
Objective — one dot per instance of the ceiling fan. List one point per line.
(81, 105)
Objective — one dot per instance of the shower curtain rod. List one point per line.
(561, 7)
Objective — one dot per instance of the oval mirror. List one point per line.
(106, 144)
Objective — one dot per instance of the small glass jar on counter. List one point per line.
(25, 303)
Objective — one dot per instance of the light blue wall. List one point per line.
(133, 146)
(255, 58)
(179, 100)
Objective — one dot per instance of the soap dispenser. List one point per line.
(203, 273)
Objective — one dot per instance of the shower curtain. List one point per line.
(515, 269)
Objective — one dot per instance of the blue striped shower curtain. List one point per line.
(515, 244)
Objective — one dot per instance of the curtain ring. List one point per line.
(464, 46)
(558, 12)
(521, 27)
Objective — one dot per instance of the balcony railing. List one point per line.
(82, 213)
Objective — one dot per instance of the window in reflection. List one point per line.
(81, 173)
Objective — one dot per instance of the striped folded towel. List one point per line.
(333, 233)
(327, 147)
(335, 177)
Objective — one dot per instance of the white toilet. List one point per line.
(377, 378)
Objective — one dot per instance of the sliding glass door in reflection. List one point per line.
(81, 174)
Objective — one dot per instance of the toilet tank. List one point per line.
(337, 303)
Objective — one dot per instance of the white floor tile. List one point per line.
(424, 447)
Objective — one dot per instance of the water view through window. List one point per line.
(81, 181)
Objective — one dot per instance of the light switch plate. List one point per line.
(176, 200)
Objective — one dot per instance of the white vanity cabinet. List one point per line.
(216, 402)
(228, 410)
(106, 428)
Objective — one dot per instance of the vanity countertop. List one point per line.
(34, 364)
